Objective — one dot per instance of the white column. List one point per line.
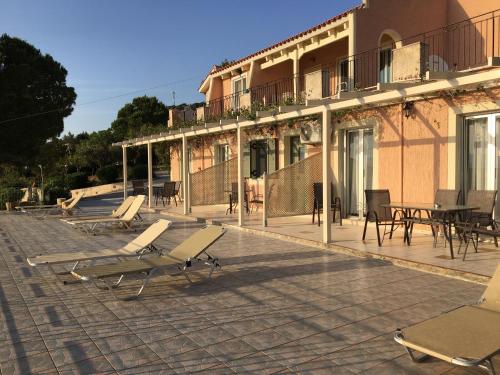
(185, 172)
(150, 175)
(125, 172)
(264, 202)
(351, 50)
(327, 175)
(241, 178)
(296, 70)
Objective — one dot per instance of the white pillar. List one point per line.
(351, 51)
(264, 202)
(185, 173)
(150, 175)
(241, 178)
(327, 175)
(296, 81)
(125, 172)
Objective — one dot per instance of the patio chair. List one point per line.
(254, 200)
(119, 212)
(66, 208)
(318, 203)
(477, 222)
(233, 198)
(168, 193)
(381, 215)
(137, 247)
(138, 187)
(90, 226)
(181, 257)
(467, 336)
(443, 197)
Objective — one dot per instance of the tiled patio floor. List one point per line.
(276, 307)
(349, 236)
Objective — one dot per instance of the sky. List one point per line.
(115, 50)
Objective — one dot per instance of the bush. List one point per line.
(108, 174)
(76, 180)
(54, 192)
(138, 172)
(9, 194)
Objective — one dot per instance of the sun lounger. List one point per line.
(181, 257)
(467, 336)
(119, 212)
(66, 209)
(136, 248)
(90, 226)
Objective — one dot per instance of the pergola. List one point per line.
(388, 94)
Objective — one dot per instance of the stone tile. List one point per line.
(132, 357)
(258, 363)
(193, 361)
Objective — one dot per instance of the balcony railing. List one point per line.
(465, 45)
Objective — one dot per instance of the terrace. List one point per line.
(275, 307)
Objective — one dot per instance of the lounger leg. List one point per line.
(489, 366)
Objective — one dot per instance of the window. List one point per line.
(221, 153)
(325, 83)
(385, 73)
(239, 88)
(258, 158)
(297, 150)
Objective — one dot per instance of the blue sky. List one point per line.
(113, 47)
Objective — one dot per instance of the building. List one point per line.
(405, 93)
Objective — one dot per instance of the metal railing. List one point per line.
(274, 93)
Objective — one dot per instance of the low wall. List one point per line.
(98, 190)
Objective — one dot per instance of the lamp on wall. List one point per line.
(408, 109)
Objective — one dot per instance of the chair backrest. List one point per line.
(485, 200)
(147, 237)
(446, 197)
(374, 200)
(169, 188)
(318, 193)
(123, 207)
(197, 243)
(491, 296)
(134, 208)
(139, 186)
(177, 186)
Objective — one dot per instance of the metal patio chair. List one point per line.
(318, 203)
(138, 187)
(168, 193)
(379, 215)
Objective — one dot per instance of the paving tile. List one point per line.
(132, 357)
(258, 363)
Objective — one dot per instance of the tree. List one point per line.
(133, 116)
(34, 95)
(95, 151)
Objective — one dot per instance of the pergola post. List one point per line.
(185, 173)
(150, 174)
(241, 177)
(125, 172)
(327, 175)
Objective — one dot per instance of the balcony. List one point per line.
(468, 45)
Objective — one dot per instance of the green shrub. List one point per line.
(138, 172)
(76, 180)
(108, 174)
(52, 193)
(9, 194)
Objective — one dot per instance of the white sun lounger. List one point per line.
(119, 212)
(135, 248)
(90, 226)
(66, 209)
(468, 336)
(181, 257)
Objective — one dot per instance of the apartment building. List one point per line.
(403, 95)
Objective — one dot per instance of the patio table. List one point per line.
(448, 214)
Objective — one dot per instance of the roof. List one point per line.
(217, 69)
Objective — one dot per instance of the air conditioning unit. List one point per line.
(310, 132)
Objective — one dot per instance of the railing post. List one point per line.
(264, 202)
(125, 172)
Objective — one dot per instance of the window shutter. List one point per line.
(246, 160)
(271, 155)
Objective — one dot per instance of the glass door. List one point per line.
(359, 169)
(385, 71)
(482, 151)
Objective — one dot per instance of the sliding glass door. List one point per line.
(359, 169)
(482, 152)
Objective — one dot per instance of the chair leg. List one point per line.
(364, 230)
(314, 213)
(319, 218)
(378, 234)
(334, 214)
(340, 215)
(392, 229)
